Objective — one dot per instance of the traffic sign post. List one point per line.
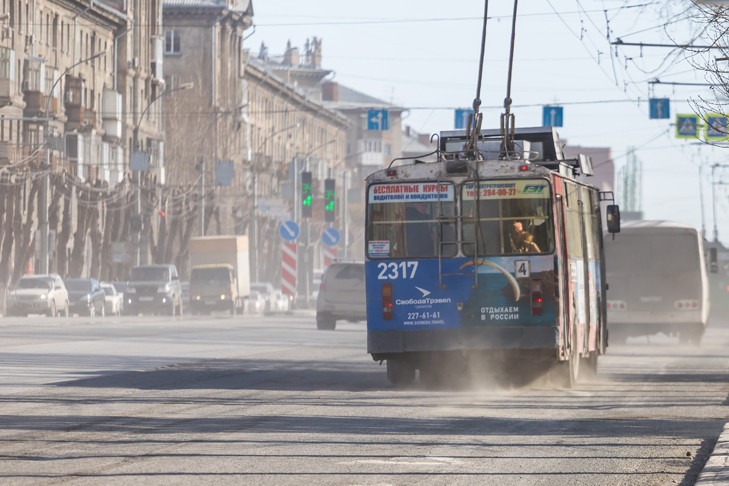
(377, 120)
(461, 119)
(687, 126)
(659, 108)
(716, 127)
(330, 237)
(289, 261)
(552, 116)
(289, 230)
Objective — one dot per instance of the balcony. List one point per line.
(73, 97)
(34, 103)
(7, 91)
(75, 117)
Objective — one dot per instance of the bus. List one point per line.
(487, 261)
(658, 283)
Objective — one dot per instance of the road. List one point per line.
(271, 400)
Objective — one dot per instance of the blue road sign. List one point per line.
(462, 118)
(716, 127)
(659, 108)
(289, 230)
(377, 120)
(687, 126)
(330, 237)
(552, 116)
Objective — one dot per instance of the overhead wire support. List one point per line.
(619, 42)
(507, 118)
(473, 128)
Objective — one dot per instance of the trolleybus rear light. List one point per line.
(523, 167)
(536, 296)
(391, 173)
(387, 310)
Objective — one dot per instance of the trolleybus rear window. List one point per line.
(403, 220)
(514, 216)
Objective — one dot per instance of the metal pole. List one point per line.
(44, 211)
(713, 201)
(202, 196)
(256, 253)
(345, 216)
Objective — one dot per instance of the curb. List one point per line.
(716, 469)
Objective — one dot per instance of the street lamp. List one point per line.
(135, 143)
(43, 223)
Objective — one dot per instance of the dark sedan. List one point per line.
(85, 296)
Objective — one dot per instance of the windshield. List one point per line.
(33, 283)
(665, 253)
(405, 220)
(507, 217)
(210, 275)
(150, 274)
(78, 285)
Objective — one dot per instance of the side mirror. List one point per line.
(613, 218)
(713, 262)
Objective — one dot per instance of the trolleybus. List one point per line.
(658, 281)
(492, 260)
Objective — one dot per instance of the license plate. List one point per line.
(210, 302)
(146, 299)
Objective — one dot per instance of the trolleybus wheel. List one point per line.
(400, 371)
(588, 366)
(567, 373)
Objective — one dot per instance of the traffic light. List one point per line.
(306, 194)
(329, 197)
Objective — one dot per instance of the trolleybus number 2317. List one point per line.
(496, 260)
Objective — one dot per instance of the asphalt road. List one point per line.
(271, 400)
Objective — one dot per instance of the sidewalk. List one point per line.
(716, 469)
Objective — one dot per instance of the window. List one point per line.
(403, 220)
(172, 42)
(513, 216)
(6, 63)
(33, 75)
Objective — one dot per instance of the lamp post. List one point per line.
(256, 263)
(135, 143)
(45, 189)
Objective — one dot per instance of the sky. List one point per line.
(423, 55)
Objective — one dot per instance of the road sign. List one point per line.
(716, 127)
(288, 268)
(330, 255)
(289, 230)
(687, 126)
(377, 120)
(552, 116)
(461, 120)
(659, 108)
(224, 172)
(330, 237)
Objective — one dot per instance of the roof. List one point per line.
(353, 99)
(658, 225)
(241, 6)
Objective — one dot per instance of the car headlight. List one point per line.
(43, 297)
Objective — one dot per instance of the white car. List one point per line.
(112, 299)
(255, 303)
(267, 291)
(38, 294)
(281, 302)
